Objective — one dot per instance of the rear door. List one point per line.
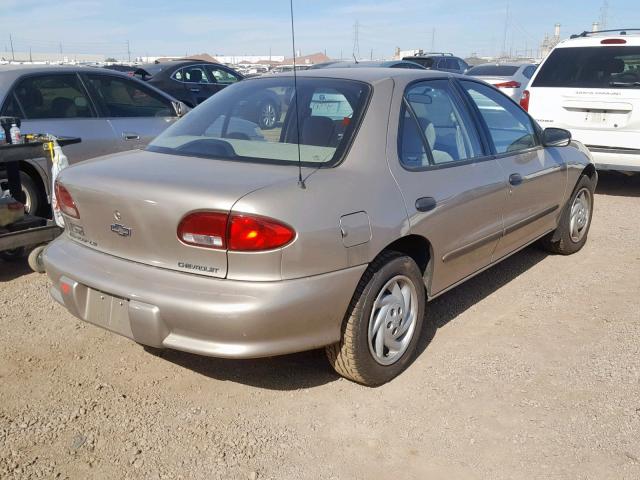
(536, 176)
(593, 91)
(198, 82)
(454, 191)
(60, 105)
(136, 113)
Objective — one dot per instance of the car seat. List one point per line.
(317, 131)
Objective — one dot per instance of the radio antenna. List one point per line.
(295, 94)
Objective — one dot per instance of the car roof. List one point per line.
(368, 74)
(10, 72)
(369, 64)
(593, 39)
(506, 64)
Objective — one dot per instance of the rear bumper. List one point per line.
(203, 315)
(609, 158)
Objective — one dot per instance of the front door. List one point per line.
(58, 104)
(136, 113)
(454, 191)
(536, 176)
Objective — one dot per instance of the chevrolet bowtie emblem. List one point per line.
(121, 230)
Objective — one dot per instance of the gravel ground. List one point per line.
(530, 370)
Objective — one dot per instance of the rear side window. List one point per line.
(492, 71)
(120, 97)
(434, 121)
(510, 127)
(591, 67)
(222, 76)
(53, 96)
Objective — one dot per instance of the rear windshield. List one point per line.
(255, 121)
(591, 67)
(425, 62)
(493, 71)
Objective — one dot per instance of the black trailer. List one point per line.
(31, 233)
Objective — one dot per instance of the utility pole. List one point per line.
(433, 39)
(128, 51)
(506, 28)
(13, 55)
(30, 57)
(371, 57)
(604, 14)
(356, 41)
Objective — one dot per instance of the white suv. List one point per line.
(590, 85)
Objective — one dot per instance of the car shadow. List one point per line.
(450, 305)
(14, 269)
(618, 184)
(311, 369)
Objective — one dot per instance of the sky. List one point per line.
(254, 27)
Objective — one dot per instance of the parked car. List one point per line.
(445, 62)
(193, 81)
(232, 247)
(109, 111)
(510, 78)
(590, 85)
(368, 64)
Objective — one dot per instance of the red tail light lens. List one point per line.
(238, 232)
(524, 101)
(511, 84)
(613, 41)
(204, 229)
(252, 233)
(65, 201)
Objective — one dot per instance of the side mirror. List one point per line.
(556, 137)
(180, 108)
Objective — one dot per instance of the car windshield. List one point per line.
(591, 67)
(255, 121)
(493, 71)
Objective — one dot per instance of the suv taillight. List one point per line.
(511, 84)
(237, 232)
(524, 100)
(65, 201)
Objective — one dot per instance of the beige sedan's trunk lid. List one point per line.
(130, 204)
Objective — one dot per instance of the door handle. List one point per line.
(425, 204)
(195, 90)
(130, 136)
(515, 179)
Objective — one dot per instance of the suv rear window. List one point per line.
(425, 62)
(591, 67)
(229, 125)
(493, 71)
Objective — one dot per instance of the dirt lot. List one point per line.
(530, 370)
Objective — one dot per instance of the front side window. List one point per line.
(529, 71)
(228, 126)
(222, 76)
(510, 127)
(121, 97)
(53, 96)
(433, 121)
(591, 67)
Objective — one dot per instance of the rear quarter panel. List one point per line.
(361, 183)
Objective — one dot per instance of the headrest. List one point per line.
(317, 131)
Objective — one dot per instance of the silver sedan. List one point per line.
(378, 190)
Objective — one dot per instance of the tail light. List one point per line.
(511, 84)
(524, 100)
(613, 41)
(237, 232)
(65, 201)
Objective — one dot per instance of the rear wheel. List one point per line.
(571, 233)
(267, 115)
(33, 197)
(383, 323)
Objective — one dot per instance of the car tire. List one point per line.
(33, 196)
(13, 255)
(35, 259)
(575, 221)
(358, 355)
(268, 115)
